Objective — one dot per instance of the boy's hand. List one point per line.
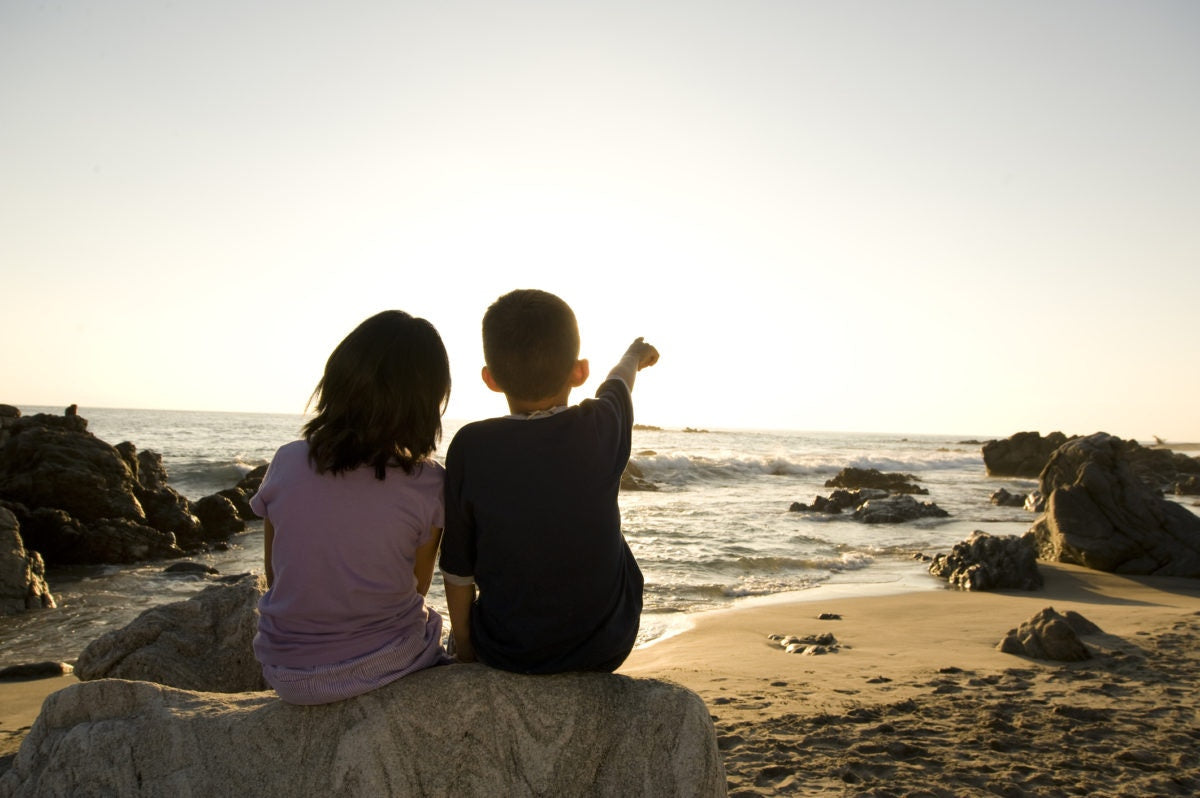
(646, 354)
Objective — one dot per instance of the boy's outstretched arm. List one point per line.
(638, 356)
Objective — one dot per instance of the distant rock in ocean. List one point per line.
(871, 506)
(453, 730)
(1101, 515)
(851, 477)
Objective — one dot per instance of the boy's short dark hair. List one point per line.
(530, 343)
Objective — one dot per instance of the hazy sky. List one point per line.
(955, 217)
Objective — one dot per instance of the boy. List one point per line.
(531, 502)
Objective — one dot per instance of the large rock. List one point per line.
(989, 562)
(1101, 515)
(896, 510)
(1024, 454)
(22, 572)
(106, 504)
(851, 477)
(459, 730)
(52, 461)
(63, 540)
(1051, 636)
(203, 643)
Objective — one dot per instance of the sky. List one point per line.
(914, 217)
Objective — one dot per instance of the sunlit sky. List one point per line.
(912, 217)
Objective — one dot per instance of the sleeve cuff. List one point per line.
(458, 581)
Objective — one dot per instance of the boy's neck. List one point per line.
(525, 407)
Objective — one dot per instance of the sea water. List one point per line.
(717, 531)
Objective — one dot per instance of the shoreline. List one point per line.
(916, 698)
(917, 694)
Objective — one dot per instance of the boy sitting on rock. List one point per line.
(539, 578)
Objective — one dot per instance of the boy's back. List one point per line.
(532, 514)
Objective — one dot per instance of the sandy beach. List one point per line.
(917, 700)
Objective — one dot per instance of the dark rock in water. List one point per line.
(191, 568)
(896, 509)
(1189, 486)
(1003, 498)
(203, 643)
(851, 477)
(219, 517)
(507, 734)
(1049, 636)
(1100, 515)
(838, 501)
(34, 670)
(1024, 454)
(241, 502)
(633, 479)
(253, 480)
(22, 572)
(988, 562)
(82, 501)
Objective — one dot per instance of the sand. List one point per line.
(916, 700)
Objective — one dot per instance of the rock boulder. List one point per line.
(203, 643)
(851, 477)
(1051, 636)
(1024, 454)
(989, 562)
(22, 572)
(1101, 515)
(461, 730)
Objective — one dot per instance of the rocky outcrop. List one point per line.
(896, 510)
(22, 572)
(871, 506)
(203, 643)
(1099, 514)
(839, 501)
(851, 477)
(632, 478)
(1024, 454)
(1003, 498)
(989, 562)
(81, 501)
(1050, 636)
(462, 730)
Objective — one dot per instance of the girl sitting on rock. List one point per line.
(353, 518)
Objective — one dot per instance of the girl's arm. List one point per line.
(268, 538)
(426, 558)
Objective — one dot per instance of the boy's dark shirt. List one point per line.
(531, 513)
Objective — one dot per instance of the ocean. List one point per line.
(717, 532)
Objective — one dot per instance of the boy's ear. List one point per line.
(580, 374)
(490, 381)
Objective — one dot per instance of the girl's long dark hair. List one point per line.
(381, 399)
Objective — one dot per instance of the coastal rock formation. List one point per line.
(1003, 498)
(1099, 514)
(838, 501)
(989, 562)
(81, 501)
(463, 730)
(1051, 636)
(632, 478)
(22, 572)
(203, 643)
(1024, 454)
(871, 506)
(895, 510)
(851, 477)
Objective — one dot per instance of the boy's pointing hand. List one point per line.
(647, 355)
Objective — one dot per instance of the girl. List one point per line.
(353, 519)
